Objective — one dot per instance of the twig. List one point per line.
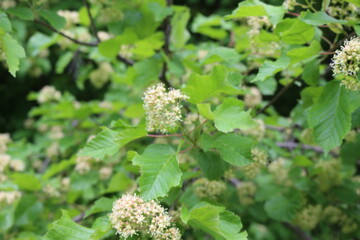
(169, 135)
(89, 44)
(125, 60)
(327, 53)
(186, 150)
(298, 231)
(292, 145)
(277, 96)
(166, 47)
(79, 217)
(92, 23)
(294, 14)
(45, 165)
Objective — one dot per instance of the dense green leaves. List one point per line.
(160, 171)
(330, 117)
(215, 220)
(66, 229)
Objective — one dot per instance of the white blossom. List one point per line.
(48, 94)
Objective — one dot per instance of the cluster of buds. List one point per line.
(257, 132)
(9, 197)
(5, 4)
(162, 109)
(252, 97)
(83, 164)
(211, 189)
(280, 172)
(260, 161)
(346, 62)
(109, 14)
(329, 174)
(105, 172)
(51, 191)
(48, 94)
(289, 4)
(56, 133)
(191, 119)
(336, 216)
(246, 192)
(256, 24)
(308, 217)
(4, 162)
(343, 10)
(101, 75)
(132, 216)
(71, 17)
(103, 36)
(4, 141)
(17, 165)
(53, 150)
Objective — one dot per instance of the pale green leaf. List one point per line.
(23, 13)
(234, 148)
(294, 31)
(303, 53)
(205, 110)
(55, 20)
(319, 18)
(103, 204)
(330, 117)
(26, 181)
(215, 220)
(66, 229)
(108, 142)
(230, 115)
(283, 207)
(5, 25)
(179, 33)
(160, 12)
(269, 68)
(159, 171)
(13, 53)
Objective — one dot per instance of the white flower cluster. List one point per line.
(105, 172)
(308, 217)
(71, 17)
(280, 172)
(256, 24)
(101, 75)
(257, 132)
(260, 161)
(343, 10)
(9, 197)
(83, 164)
(289, 4)
(56, 133)
(48, 94)
(347, 62)
(4, 140)
(162, 109)
(104, 35)
(252, 97)
(132, 216)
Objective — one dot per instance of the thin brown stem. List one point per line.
(64, 35)
(92, 22)
(327, 53)
(294, 14)
(186, 150)
(169, 135)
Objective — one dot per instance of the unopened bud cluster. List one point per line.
(48, 94)
(346, 62)
(336, 216)
(10, 197)
(343, 10)
(84, 164)
(280, 172)
(329, 174)
(257, 132)
(246, 192)
(252, 97)
(101, 75)
(132, 216)
(308, 217)
(71, 17)
(162, 109)
(259, 162)
(5, 4)
(289, 4)
(4, 141)
(204, 188)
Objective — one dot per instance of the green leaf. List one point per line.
(219, 54)
(55, 20)
(257, 8)
(318, 18)
(103, 204)
(160, 12)
(210, 164)
(160, 171)
(201, 87)
(294, 31)
(283, 207)
(22, 12)
(63, 61)
(215, 220)
(230, 116)
(209, 26)
(205, 110)
(108, 142)
(330, 117)
(66, 229)
(5, 24)
(13, 53)
(311, 73)
(269, 68)
(28, 210)
(179, 34)
(56, 168)
(119, 182)
(234, 148)
(303, 53)
(26, 181)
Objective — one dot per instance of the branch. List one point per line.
(92, 23)
(298, 231)
(64, 35)
(277, 96)
(79, 217)
(166, 47)
(292, 145)
(125, 60)
(170, 135)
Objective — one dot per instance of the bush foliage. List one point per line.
(160, 122)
